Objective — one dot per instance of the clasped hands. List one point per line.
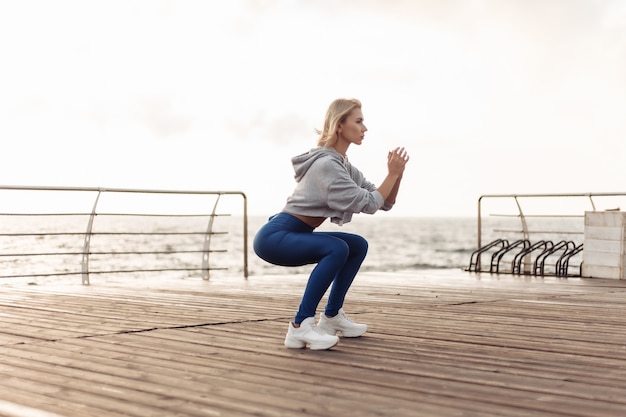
(396, 160)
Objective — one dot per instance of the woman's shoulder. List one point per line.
(325, 157)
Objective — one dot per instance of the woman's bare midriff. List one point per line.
(311, 221)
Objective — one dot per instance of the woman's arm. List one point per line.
(396, 161)
(391, 199)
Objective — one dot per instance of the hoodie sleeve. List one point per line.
(359, 178)
(347, 189)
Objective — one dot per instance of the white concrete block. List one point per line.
(604, 250)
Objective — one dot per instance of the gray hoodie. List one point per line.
(329, 186)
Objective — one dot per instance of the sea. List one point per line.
(48, 250)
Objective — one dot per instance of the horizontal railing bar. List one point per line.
(611, 194)
(126, 271)
(57, 274)
(539, 215)
(157, 252)
(114, 234)
(115, 190)
(539, 231)
(116, 214)
(166, 214)
(17, 255)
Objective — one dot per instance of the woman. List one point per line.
(328, 186)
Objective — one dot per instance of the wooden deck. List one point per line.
(441, 343)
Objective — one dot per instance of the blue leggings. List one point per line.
(287, 241)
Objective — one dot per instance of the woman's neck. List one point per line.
(341, 147)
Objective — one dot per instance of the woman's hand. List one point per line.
(396, 161)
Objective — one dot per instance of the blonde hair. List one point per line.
(335, 115)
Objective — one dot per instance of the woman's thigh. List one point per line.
(295, 249)
(356, 243)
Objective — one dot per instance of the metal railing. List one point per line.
(161, 225)
(553, 228)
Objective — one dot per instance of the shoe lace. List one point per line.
(344, 317)
(317, 330)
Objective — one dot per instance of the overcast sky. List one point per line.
(500, 96)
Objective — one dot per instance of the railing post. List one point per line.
(207, 242)
(87, 242)
(479, 233)
(593, 206)
(525, 235)
(245, 235)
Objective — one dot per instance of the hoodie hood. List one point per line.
(301, 163)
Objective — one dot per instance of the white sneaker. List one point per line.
(309, 333)
(340, 323)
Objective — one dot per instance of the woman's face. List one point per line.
(352, 129)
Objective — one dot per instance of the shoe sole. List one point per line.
(357, 334)
(312, 346)
(326, 330)
(352, 334)
(344, 334)
(295, 345)
(324, 346)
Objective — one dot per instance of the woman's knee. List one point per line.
(358, 245)
(362, 243)
(339, 248)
